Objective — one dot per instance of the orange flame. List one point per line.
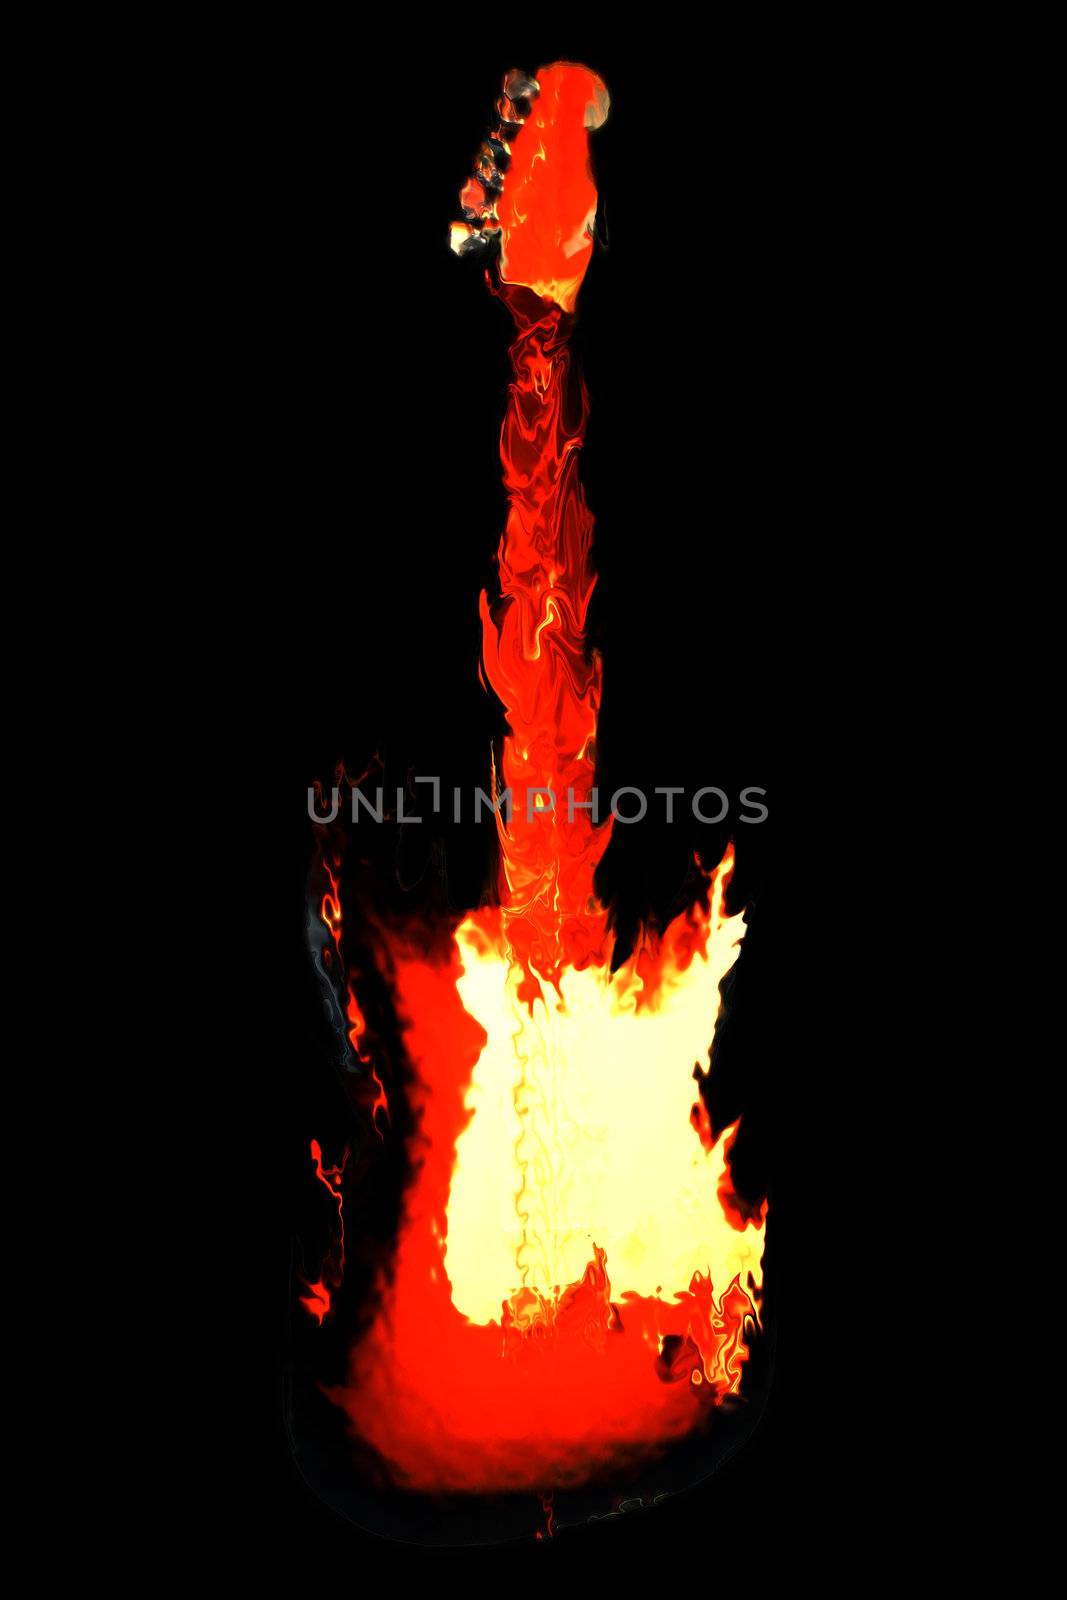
(355, 1035)
(331, 907)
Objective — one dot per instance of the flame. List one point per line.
(331, 907)
(356, 1032)
(342, 1005)
(575, 1275)
(570, 1249)
(581, 1136)
(319, 1298)
(317, 1301)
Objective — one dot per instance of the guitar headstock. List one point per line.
(531, 197)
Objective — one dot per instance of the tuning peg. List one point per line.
(498, 153)
(520, 91)
(510, 123)
(476, 204)
(467, 240)
(479, 232)
(486, 172)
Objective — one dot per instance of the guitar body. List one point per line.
(537, 1292)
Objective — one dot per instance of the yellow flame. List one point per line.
(581, 1134)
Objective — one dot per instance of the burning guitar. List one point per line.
(576, 1281)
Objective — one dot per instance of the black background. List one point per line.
(720, 332)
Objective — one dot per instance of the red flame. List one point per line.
(319, 1298)
(317, 1302)
(550, 1518)
(533, 652)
